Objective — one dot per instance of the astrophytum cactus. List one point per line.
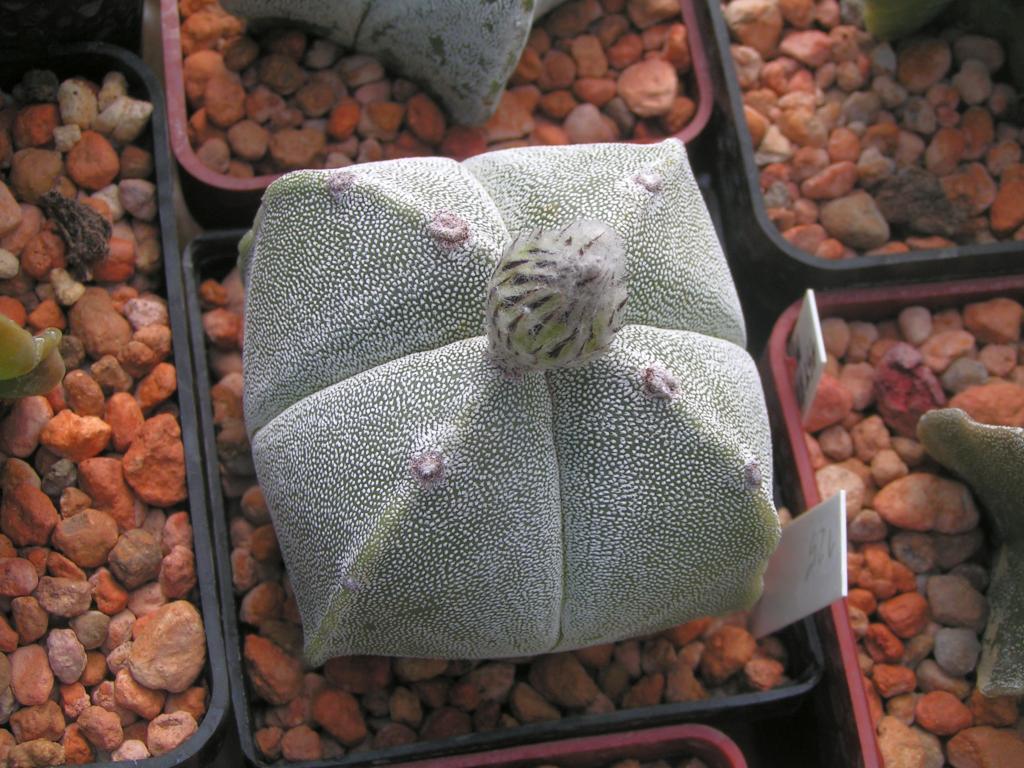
(463, 51)
(991, 460)
(502, 407)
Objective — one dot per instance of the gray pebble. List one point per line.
(321, 54)
(974, 573)
(956, 650)
(66, 655)
(623, 116)
(883, 59)
(37, 85)
(867, 526)
(972, 82)
(963, 373)
(402, 90)
(852, 12)
(917, 649)
(138, 197)
(873, 167)
(72, 350)
(914, 550)
(91, 629)
(59, 476)
(777, 195)
(7, 705)
(862, 107)
(983, 49)
(836, 443)
(360, 69)
(930, 677)
(951, 549)
(955, 603)
(1003, 98)
(919, 116)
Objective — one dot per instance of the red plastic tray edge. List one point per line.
(709, 744)
(177, 114)
(867, 303)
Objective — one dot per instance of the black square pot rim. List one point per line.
(860, 270)
(94, 59)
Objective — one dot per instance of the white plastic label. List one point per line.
(807, 571)
(807, 345)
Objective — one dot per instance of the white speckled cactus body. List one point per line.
(463, 51)
(445, 485)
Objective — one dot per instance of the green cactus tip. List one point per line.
(557, 297)
(29, 365)
(990, 459)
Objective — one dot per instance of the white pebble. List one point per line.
(65, 287)
(131, 749)
(77, 103)
(66, 136)
(915, 324)
(138, 197)
(144, 311)
(109, 194)
(124, 119)
(9, 265)
(115, 84)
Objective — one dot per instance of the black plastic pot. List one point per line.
(220, 200)
(212, 256)
(93, 60)
(32, 24)
(770, 272)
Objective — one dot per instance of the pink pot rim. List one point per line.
(177, 111)
(864, 302)
(706, 742)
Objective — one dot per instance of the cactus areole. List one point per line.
(502, 407)
(557, 297)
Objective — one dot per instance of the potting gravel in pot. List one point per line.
(448, 662)
(933, 601)
(102, 628)
(267, 98)
(866, 147)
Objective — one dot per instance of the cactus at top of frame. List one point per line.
(463, 52)
(502, 407)
(990, 459)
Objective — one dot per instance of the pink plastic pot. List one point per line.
(709, 744)
(846, 703)
(219, 200)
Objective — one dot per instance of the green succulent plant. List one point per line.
(29, 365)
(991, 460)
(502, 407)
(463, 52)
